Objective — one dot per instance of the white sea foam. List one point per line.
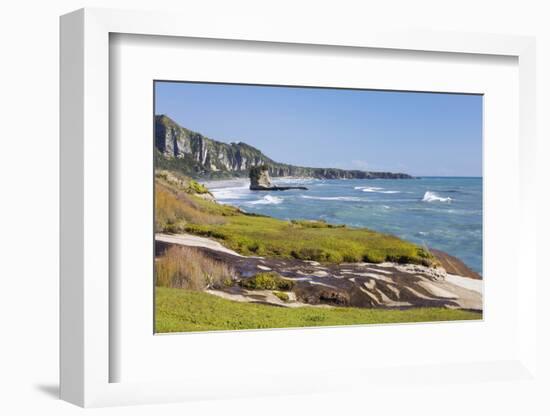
(333, 198)
(368, 188)
(268, 199)
(230, 193)
(375, 189)
(433, 197)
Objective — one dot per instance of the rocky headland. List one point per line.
(195, 155)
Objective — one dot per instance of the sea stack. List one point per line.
(260, 180)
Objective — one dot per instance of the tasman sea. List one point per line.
(444, 213)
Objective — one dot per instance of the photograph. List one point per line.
(295, 206)
(218, 208)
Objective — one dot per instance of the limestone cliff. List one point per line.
(259, 178)
(191, 153)
(260, 181)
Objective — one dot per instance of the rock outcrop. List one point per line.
(193, 154)
(260, 181)
(364, 285)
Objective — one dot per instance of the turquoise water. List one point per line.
(440, 212)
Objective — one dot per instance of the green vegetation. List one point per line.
(265, 236)
(180, 201)
(186, 268)
(180, 208)
(173, 211)
(316, 224)
(197, 188)
(267, 281)
(282, 295)
(183, 310)
(180, 182)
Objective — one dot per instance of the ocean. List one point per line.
(444, 213)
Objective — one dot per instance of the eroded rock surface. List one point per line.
(384, 285)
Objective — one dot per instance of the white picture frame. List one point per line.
(86, 355)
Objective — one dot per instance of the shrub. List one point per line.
(256, 248)
(197, 188)
(178, 182)
(205, 232)
(188, 268)
(310, 223)
(374, 257)
(267, 281)
(317, 254)
(174, 228)
(351, 257)
(309, 253)
(398, 259)
(316, 224)
(282, 296)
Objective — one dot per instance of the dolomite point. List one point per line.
(261, 181)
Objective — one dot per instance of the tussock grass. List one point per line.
(174, 210)
(187, 268)
(180, 182)
(182, 310)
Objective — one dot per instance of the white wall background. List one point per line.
(29, 205)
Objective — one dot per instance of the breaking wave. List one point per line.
(375, 189)
(268, 199)
(333, 198)
(433, 197)
(228, 190)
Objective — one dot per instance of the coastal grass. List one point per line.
(180, 182)
(271, 237)
(180, 209)
(179, 310)
(174, 210)
(187, 268)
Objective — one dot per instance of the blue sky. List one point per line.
(421, 134)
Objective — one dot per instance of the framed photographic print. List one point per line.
(228, 197)
(325, 237)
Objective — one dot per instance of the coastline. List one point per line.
(442, 213)
(362, 284)
(321, 273)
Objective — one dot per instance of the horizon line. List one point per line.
(226, 141)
